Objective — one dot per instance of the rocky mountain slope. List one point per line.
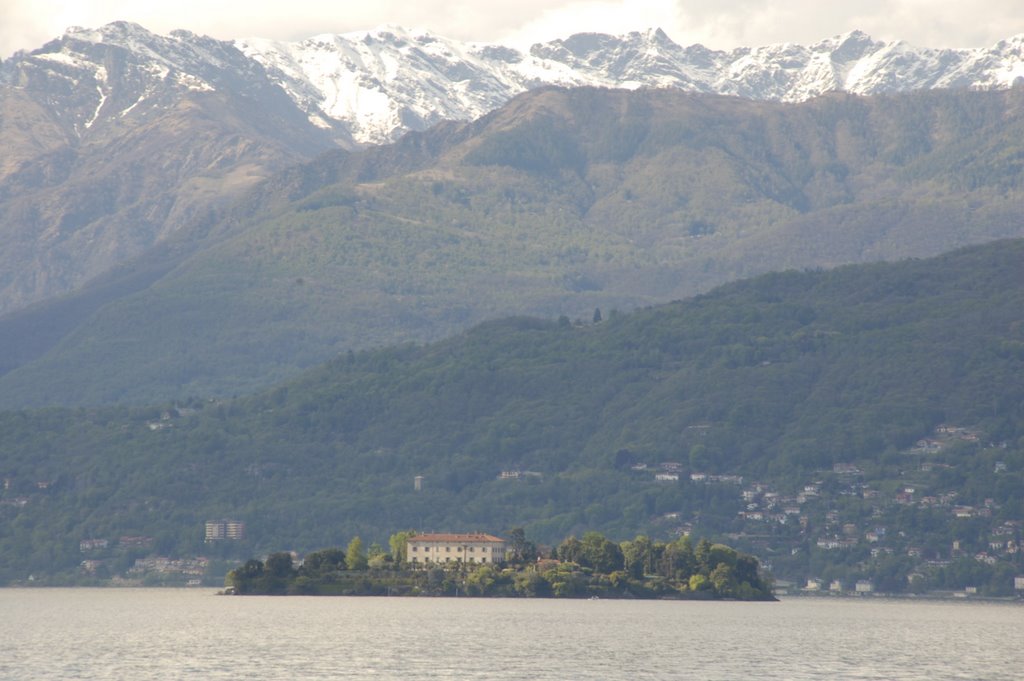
(561, 201)
(115, 138)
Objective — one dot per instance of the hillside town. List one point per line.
(842, 521)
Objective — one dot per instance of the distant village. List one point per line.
(818, 517)
(155, 569)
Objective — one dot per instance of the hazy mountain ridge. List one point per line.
(561, 201)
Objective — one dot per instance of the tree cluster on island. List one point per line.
(591, 566)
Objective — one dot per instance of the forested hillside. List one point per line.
(560, 202)
(789, 380)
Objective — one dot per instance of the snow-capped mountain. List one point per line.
(116, 138)
(89, 77)
(371, 86)
(380, 83)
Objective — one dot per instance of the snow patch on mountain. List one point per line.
(372, 86)
(383, 82)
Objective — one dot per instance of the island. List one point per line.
(478, 564)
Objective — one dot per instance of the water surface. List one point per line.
(149, 634)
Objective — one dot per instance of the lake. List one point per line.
(148, 634)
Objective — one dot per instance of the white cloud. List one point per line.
(602, 17)
(26, 24)
(926, 23)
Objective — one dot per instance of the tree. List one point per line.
(597, 315)
(376, 557)
(530, 583)
(570, 550)
(276, 573)
(565, 582)
(399, 544)
(677, 560)
(623, 459)
(637, 556)
(482, 580)
(720, 553)
(323, 561)
(355, 558)
(700, 458)
(703, 555)
(746, 571)
(279, 565)
(521, 549)
(723, 580)
(599, 553)
(244, 579)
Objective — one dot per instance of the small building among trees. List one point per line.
(456, 548)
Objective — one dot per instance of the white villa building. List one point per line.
(456, 548)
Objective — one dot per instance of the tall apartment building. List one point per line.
(217, 530)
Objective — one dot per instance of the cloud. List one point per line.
(723, 24)
(560, 21)
(926, 23)
(41, 20)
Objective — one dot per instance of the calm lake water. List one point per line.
(173, 634)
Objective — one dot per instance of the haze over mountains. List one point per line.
(162, 168)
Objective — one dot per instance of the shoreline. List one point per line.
(950, 596)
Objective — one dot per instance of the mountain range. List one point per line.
(116, 138)
(381, 83)
(560, 202)
(183, 215)
(369, 87)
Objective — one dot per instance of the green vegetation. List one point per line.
(584, 568)
(562, 427)
(559, 203)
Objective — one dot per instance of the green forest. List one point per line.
(873, 415)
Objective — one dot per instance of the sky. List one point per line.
(719, 24)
